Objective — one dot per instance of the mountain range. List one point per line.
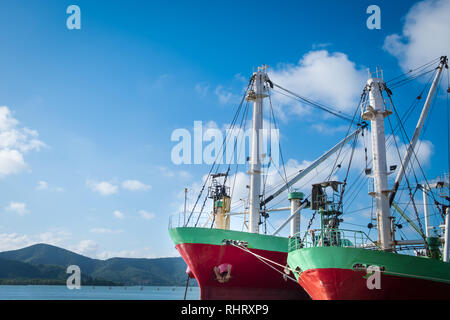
(47, 264)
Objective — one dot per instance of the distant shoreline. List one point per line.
(54, 282)
(86, 285)
(43, 264)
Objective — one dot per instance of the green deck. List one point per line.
(346, 258)
(216, 236)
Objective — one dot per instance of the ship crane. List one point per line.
(410, 151)
(220, 194)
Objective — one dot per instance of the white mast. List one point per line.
(427, 188)
(447, 236)
(257, 94)
(426, 212)
(295, 199)
(185, 200)
(376, 112)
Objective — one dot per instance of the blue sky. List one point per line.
(103, 102)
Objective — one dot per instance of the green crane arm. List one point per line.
(405, 216)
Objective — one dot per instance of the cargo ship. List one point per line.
(226, 272)
(250, 263)
(332, 263)
(246, 264)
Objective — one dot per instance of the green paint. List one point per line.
(295, 195)
(216, 236)
(434, 244)
(405, 216)
(346, 258)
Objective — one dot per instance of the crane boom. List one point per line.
(314, 165)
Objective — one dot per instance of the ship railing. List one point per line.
(179, 220)
(331, 238)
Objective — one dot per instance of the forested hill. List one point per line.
(47, 264)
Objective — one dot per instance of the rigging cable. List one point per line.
(361, 99)
(315, 104)
(267, 262)
(448, 129)
(418, 68)
(408, 141)
(212, 167)
(422, 234)
(407, 80)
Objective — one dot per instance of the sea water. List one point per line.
(32, 292)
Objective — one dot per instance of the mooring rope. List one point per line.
(262, 259)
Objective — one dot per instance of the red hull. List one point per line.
(250, 278)
(344, 284)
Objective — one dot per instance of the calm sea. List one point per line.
(96, 293)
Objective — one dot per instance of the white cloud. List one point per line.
(329, 130)
(137, 253)
(22, 139)
(169, 173)
(210, 125)
(320, 45)
(118, 214)
(13, 241)
(19, 208)
(161, 82)
(104, 188)
(424, 150)
(146, 215)
(14, 143)
(7, 121)
(223, 95)
(202, 88)
(42, 185)
(11, 161)
(166, 171)
(241, 78)
(56, 237)
(135, 185)
(425, 34)
(329, 78)
(105, 231)
(85, 247)
(184, 174)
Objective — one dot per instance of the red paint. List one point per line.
(345, 284)
(224, 267)
(250, 278)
